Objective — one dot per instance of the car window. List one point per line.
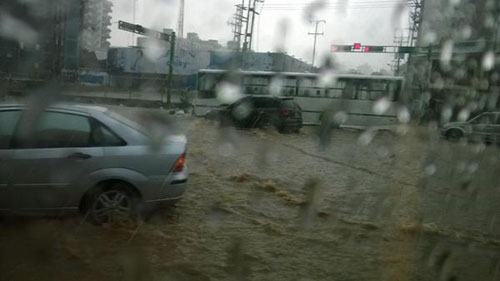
(484, 119)
(495, 119)
(59, 130)
(266, 103)
(8, 123)
(102, 136)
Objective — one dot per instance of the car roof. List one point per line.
(82, 108)
(269, 97)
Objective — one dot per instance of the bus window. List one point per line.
(378, 90)
(393, 88)
(364, 91)
(206, 83)
(349, 91)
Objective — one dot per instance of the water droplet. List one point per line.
(466, 32)
(472, 168)
(154, 50)
(446, 52)
(381, 106)
(340, 118)
(228, 93)
(403, 115)
(366, 137)
(275, 86)
(430, 169)
(226, 149)
(429, 37)
(463, 115)
(383, 151)
(327, 78)
(271, 157)
(242, 110)
(488, 61)
(446, 114)
(402, 129)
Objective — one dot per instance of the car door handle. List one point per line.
(79, 155)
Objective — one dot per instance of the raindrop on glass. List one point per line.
(488, 61)
(366, 137)
(403, 115)
(430, 169)
(226, 149)
(381, 106)
(228, 93)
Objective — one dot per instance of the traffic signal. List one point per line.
(341, 48)
(357, 46)
(373, 49)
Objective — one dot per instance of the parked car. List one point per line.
(85, 158)
(485, 127)
(256, 111)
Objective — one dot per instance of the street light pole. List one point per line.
(315, 38)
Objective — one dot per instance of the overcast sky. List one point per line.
(365, 21)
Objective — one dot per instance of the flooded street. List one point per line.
(267, 206)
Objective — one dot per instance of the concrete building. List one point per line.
(57, 38)
(95, 25)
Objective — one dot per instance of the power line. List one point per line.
(341, 5)
(344, 3)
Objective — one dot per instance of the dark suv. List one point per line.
(260, 111)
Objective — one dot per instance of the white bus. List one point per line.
(368, 101)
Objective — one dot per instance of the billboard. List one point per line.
(139, 60)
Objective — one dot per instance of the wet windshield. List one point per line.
(286, 140)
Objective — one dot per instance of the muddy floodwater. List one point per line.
(267, 206)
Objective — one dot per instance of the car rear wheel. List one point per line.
(454, 135)
(114, 204)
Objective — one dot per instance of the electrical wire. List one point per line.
(339, 5)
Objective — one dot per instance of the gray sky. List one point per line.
(365, 21)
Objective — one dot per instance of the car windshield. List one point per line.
(250, 140)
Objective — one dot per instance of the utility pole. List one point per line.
(237, 24)
(251, 12)
(315, 38)
(180, 23)
(400, 40)
(170, 70)
(134, 12)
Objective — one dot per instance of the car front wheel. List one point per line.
(454, 135)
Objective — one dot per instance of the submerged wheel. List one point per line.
(454, 135)
(113, 204)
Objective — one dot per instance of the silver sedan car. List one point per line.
(88, 159)
(485, 127)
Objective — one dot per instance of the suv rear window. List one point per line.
(291, 104)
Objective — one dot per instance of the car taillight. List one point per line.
(179, 164)
(285, 112)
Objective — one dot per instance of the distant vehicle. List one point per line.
(87, 159)
(367, 101)
(484, 128)
(260, 111)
